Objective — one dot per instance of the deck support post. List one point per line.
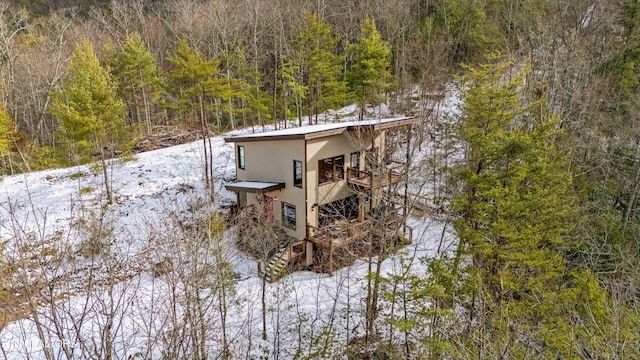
(309, 253)
(406, 174)
(361, 200)
(331, 258)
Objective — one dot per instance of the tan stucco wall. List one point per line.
(332, 146)
(273, 161)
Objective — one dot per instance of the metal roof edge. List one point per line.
(325, 132)
(240, 138)
(273, 185)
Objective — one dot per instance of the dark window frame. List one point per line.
(241, 157)
(297, 173)
(331, 170)
(287, 220)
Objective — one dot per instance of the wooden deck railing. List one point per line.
(371, 179)
(342, 233)
(332, 237)
(338, 233)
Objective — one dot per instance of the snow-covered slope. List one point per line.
(154, 195)
(143, 187)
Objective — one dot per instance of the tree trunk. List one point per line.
(274, 99)
(632, 196)
(147, 109)
(232, 120)
(203, 127)
(105, 176)
(264, 307)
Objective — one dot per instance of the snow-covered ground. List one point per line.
(50, 216)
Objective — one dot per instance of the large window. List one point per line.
(240, 157)
(331, 170)
(355, 160)
(289, 215)
(297, 173)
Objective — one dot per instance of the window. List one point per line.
(331, 170)
(289, 215)
(297, 173)
(355, 160)
(241, 157)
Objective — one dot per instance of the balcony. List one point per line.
(339, 233)
(377, 178)
(389, 234)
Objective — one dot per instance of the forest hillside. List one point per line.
(536, 173)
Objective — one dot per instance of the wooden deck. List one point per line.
(339, 233)
(343, 233)
(368, 179)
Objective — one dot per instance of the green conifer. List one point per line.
(7, 131)
(370, 76)
(197, 88)
(321, 65)
(516, 209)
(89, 112)
(138, 78)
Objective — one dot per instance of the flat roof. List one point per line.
(255, 186)
(317, 131)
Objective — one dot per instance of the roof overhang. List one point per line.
(319, 131)
(397, 123)
(260, 187)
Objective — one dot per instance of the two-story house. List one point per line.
(325, 185)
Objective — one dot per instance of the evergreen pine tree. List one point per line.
(316, 52)
(8, 134)
(89, 111)
(244, 87)
(515, 210)
(370, 76)
(419, 307)
(194, 83)
(7, 131)
(292, 86)
(233, 63)
(138, 78)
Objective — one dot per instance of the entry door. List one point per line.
(268, 207)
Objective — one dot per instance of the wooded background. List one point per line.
(550, 122)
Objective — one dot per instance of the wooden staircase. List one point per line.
(277, 265)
